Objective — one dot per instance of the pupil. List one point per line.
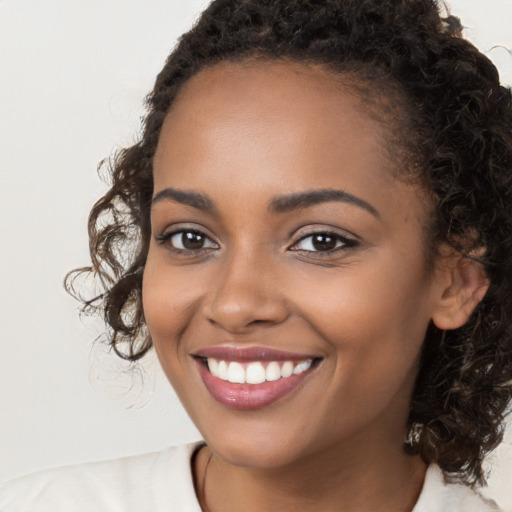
(192, 240)
(324, 242)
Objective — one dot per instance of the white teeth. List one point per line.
(302, 367)
(287, 369)
(213, 365)
(255, 372)
(273, 371)
(223, 370)
(236, 373)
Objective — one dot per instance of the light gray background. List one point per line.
(73, 76)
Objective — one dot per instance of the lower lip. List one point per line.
(249, 396)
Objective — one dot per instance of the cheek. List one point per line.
(170, 300)
(375, 334)
(380, 295)
(373, 317)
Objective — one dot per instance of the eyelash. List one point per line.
(167, 238)
(342, 242)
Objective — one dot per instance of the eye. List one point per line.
(322, 242)
(189, 240)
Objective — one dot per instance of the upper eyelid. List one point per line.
(177, 228)
(344, 239)
(345, 235)
(170, 233)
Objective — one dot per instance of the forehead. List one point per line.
(233, 108)
(249, 131)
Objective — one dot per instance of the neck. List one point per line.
(358, 477)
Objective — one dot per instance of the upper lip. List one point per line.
(246, 354)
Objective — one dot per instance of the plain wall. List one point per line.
(73, 77)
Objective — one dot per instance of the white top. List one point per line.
(162, 482)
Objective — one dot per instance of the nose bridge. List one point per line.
(244, 291)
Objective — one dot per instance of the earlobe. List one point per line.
(464, 284)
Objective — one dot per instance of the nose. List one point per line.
(245, 294)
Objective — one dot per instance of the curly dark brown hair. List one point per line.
(461, 136)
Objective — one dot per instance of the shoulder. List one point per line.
(148, 482)
(440, 496)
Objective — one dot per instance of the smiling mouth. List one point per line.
(255, 372)
(251, 384)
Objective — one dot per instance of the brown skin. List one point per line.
(243, 134)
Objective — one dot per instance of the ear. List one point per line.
(463, 283)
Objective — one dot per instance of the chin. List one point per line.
(260, 452)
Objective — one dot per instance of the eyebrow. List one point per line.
(300, 200)
(195, 199)
(279, 204)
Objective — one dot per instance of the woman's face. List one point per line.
(282, 244)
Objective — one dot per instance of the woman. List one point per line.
(314, 234)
